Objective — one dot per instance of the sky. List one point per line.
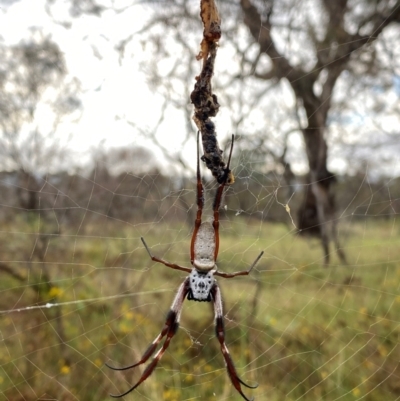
(111, 91)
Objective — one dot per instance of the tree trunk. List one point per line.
(317, 213)
(332, 53)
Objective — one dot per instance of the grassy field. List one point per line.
(302, 331)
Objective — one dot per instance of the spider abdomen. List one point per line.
(204, 248)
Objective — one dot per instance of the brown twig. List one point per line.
(205, 101)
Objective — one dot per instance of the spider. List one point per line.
(199, 286)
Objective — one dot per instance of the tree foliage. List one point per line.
(35, 99)
(284, 71)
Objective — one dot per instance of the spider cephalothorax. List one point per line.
(200, 285)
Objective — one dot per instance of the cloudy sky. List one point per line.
(110, 90)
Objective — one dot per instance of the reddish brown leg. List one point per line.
(220, 332)
(200, 203)
(170, 328)
(164, 262)
(218, 199)
(241, 273)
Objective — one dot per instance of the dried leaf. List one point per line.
(212, 27)
(211, 20)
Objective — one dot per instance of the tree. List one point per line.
(332, 33)
(35, 99)
(285, 70)
(333, 48)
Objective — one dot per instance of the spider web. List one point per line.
(78, 289)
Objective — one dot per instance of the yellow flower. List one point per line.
(124, 328)
(208, 368)
(171, 394)
(356, 392)
(368, 364)
(55, 292)
(305, 330)
(189, 378)
(65, 369)
(98, 362)
(382, 350)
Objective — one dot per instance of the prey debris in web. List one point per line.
(204, 100)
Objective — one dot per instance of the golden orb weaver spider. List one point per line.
(200, 285)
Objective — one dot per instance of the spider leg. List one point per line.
(241, 273)
(218, 199)
(200, 202)
(164, 262)
(170, 328)
(220, 332)
(169, 323)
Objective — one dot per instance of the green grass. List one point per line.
(302, 331)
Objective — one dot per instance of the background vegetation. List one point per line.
(78, 289)
(300, 330)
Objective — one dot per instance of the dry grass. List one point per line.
(303, 332)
